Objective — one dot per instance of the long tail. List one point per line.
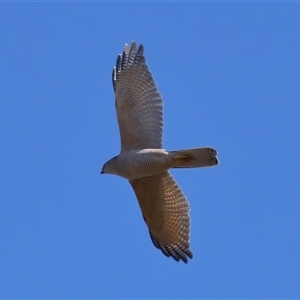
(194, 158)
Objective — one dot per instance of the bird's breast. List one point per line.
(142, 163)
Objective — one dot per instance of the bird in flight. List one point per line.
(144, 162)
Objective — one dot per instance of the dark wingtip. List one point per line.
(177, 253)
(131, 53)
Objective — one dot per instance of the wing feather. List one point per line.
(166, 212)
(138, 103)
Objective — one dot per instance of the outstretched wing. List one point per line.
(166, 213)
(138, 103)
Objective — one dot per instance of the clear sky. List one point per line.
(229, 74)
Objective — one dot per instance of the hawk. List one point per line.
(144, 162)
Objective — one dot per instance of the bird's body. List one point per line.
(144, 162)
(140, 163)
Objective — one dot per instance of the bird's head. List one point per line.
(109, 166)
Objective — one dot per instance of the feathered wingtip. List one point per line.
(129, 56)
(176, 252)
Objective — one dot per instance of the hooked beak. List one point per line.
(102, 171)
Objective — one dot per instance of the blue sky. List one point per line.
(229, 76)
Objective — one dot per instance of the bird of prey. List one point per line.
(144, 162)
